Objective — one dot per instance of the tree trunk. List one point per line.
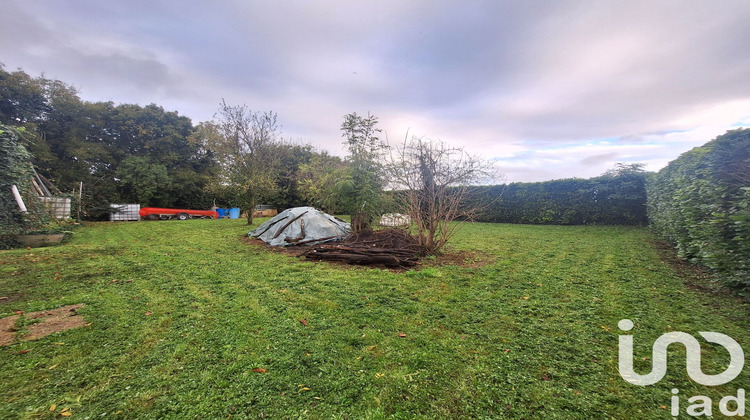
(250, 212)
(359, 222)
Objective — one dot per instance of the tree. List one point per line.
(22, 98)
(318, 181)
(246, 146)
(74, 141)
(140, 181)
(292, 157)
(361, 190)
(431, 181)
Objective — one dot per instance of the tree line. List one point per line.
(125, 153)
(129, 153)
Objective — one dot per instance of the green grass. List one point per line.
(532, 334)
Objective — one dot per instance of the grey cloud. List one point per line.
(597, 159)
(529, 74)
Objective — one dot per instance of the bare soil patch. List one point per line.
(40, 324)
(696, 277)
(391, 249)
(463, 259)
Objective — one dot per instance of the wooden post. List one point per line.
(80, 194)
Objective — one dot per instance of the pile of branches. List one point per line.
(393, 248)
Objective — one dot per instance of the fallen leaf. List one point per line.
(605, 328)
(59, 344)
(52, 367)
(24, 351)
(304, 389)
(525, 298)
(507, 350)
(66, 413)
(577, 392)
(260, 370)
(546, 378)
(317, 398)
(303, 321)
(53, 407)
(663, 407)
(148, 313)
(402, 335)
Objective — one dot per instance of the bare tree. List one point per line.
(431, 181)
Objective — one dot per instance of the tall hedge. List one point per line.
(615, 198)
(15, 169)
(701, 204)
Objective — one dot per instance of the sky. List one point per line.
(547, 89)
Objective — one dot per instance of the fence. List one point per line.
(58, 207)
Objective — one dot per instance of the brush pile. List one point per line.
(393, 248)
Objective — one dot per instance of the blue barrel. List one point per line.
(222, 212)
(234, 213)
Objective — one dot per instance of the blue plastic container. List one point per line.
(222, 213)
(234, 213)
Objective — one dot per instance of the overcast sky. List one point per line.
(549, 89)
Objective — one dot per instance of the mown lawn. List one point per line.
(188, 321)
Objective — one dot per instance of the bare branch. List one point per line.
(431, 180)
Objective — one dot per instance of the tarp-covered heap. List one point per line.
(301, 226)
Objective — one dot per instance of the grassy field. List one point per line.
(188, 321)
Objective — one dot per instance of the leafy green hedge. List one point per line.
(15, 169)
(701, 204)
(616, 198)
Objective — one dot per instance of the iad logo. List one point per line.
(693, 349)
(693, 365)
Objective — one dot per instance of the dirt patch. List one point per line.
(696, 277)
(383, 239)
(8, 330)
(35, 325)
(463, 259)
